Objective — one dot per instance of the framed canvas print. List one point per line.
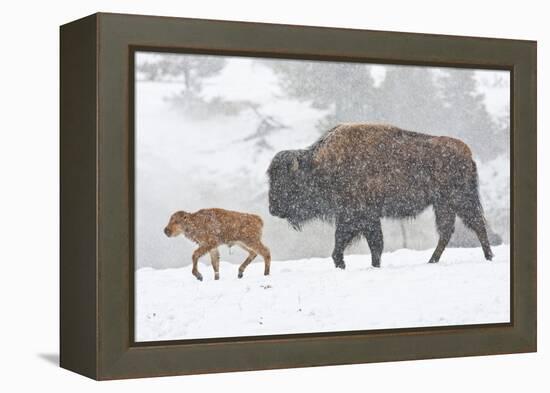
(240, 196)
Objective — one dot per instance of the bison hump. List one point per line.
(364, 142)
(452, 146)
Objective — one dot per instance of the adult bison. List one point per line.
(358, 173)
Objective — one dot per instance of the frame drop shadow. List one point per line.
(52, 358)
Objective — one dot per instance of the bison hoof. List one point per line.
(433, 260)
(240, 275)
(216, 277)
(340, 266)
(266, 273)
(199, 277)
(489, 256)
(376, 265)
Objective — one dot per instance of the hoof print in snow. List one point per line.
(266, 286)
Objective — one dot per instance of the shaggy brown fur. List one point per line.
(357, 174)
(211, 228)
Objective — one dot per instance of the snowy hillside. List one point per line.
(310, 295)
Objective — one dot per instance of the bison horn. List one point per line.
(295, 164)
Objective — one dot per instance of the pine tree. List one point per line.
(466, 115)
(409, 98)
(345, 90)
(189, 69)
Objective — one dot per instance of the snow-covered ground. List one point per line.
(310, 295)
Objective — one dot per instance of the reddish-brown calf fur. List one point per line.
(211, 228)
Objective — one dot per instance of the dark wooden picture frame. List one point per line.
(97, 267)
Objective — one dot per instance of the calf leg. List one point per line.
(375, 239)
(445, 222)
(199, 252)
(249, 258)
(215, 258)
(261, 249)
(256, 247)
(343, 236)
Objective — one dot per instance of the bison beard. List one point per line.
(357, 174)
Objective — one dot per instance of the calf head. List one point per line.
(176, 226)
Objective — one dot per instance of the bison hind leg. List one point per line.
(445, 221)
(473, 219)
(375, 239)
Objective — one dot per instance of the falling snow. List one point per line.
(190, 156)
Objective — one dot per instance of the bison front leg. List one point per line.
(375, 239)
(342, 238)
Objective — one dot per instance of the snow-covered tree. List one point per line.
(327, 86)
(191, 70)
(466, 116)
(409, 98)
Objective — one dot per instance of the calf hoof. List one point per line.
(240, 275)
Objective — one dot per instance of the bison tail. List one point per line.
(474, 187)
(471, 212)
(470, 191)
(469, 200)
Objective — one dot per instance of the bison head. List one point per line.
(293, 189)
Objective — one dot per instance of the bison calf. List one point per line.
(211, 228)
